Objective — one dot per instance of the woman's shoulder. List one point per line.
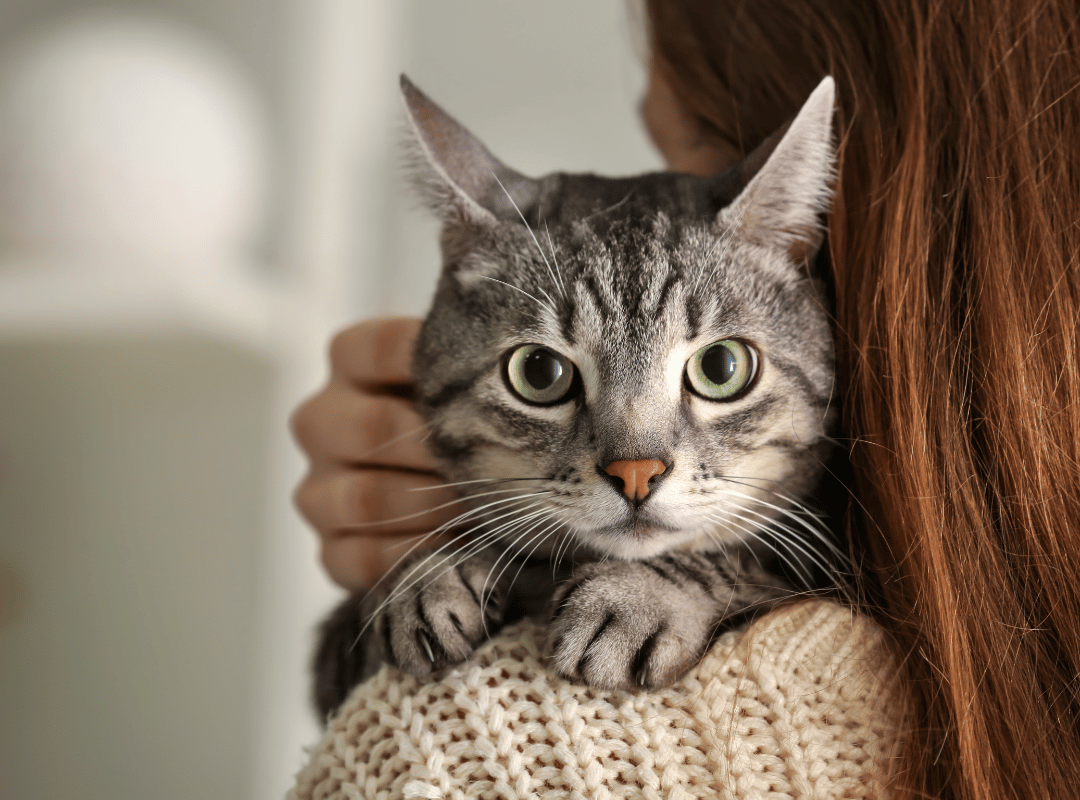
(810, 700)
(802, 704)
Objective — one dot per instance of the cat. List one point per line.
(629, 381)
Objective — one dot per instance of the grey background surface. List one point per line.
(134, 467)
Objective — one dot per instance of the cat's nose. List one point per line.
(635, 476)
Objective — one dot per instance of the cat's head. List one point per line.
(637, 363)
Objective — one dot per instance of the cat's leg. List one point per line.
(429, 612)
(630, 624)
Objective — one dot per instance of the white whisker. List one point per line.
(389, 442)
(510, 549)
(820, 535)
(793, 540)
(541, 303)
(551, 272)
(413, 578)
(447, 525)
(560, 551)
(757, 528)
(465, 483)
(558, 271)
(609, 209)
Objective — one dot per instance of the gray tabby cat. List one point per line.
(629, 382)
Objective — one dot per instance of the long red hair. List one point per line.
(954, 244)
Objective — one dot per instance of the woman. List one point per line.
(953, 245)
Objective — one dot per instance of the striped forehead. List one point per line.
(625, 303)
(620, 297)
(651, 274)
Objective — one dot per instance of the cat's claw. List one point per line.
(623, 625)
(435, 613)
(426, 642)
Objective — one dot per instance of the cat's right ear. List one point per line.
(458, 178)
(793, 173)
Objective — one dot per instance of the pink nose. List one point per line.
(635, 475)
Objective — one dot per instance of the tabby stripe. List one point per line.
(601, 302)
(741, 420)
(454, 449)
(693, 316)
(566, 318)
(522, 423)
(661, 572)
(799, 377)
(388, 647)
(449, 392)
(665, 293)
(690, 573)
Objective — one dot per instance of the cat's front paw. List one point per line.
(436, 613)
(430, 612)
(630, 624)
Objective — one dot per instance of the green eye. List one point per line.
(722, 370)
(539, 375)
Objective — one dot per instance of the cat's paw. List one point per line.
(436, 612)
(630, 624)
(430, 612)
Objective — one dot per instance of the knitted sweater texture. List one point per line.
(805, 704)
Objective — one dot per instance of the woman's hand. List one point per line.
(371, 481)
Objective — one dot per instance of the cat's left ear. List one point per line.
(458, 178)
(780, 205)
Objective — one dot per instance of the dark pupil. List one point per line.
(718, 364)
(541, 369)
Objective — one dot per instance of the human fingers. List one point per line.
(355, 561)
(366, 518)
(375, 353)
(343, 423)
(341, 501)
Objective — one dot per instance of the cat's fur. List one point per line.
(627, 278)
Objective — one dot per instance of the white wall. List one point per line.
(129, 470)
(157, 646)
(547, 86)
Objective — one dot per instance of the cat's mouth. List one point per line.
(639, 525)
(639, 536)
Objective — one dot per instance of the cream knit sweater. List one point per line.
(805, 704)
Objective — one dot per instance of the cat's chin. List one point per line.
(640, 539)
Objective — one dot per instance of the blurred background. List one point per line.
(194, 194)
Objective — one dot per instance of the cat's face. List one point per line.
(644, 364)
